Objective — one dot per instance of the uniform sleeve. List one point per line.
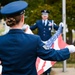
(51, 54)
(55, 26)
(33, 27)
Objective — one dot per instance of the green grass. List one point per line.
(60, 65)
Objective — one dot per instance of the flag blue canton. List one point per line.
(54, 37)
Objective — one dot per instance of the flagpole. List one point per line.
(64, 29)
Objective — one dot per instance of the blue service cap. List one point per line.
(14, 7)
(45, 11)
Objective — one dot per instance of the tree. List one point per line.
(70, 18)
(34, 11)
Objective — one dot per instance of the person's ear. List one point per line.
(22, 18)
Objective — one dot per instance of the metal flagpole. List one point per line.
(64, 29)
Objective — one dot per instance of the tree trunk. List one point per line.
(70, 37)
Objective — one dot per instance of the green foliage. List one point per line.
(70, 10)
(52, 2)
(35, 14)
(4, 2)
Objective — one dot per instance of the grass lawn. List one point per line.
(60, 65)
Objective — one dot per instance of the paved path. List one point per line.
(58, 71)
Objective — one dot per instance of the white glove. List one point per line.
(26, 28)
(71, 48)
(61, 24)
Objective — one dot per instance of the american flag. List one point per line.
(55, 42)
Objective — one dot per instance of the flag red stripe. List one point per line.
(38, 61)
(61, 43)
(42, 70)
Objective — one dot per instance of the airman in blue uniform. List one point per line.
(44, 26)
(18, 50)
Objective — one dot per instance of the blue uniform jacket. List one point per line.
(19, 51)
(44, 31)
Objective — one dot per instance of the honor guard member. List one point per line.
(44, 26)
(18, 50)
